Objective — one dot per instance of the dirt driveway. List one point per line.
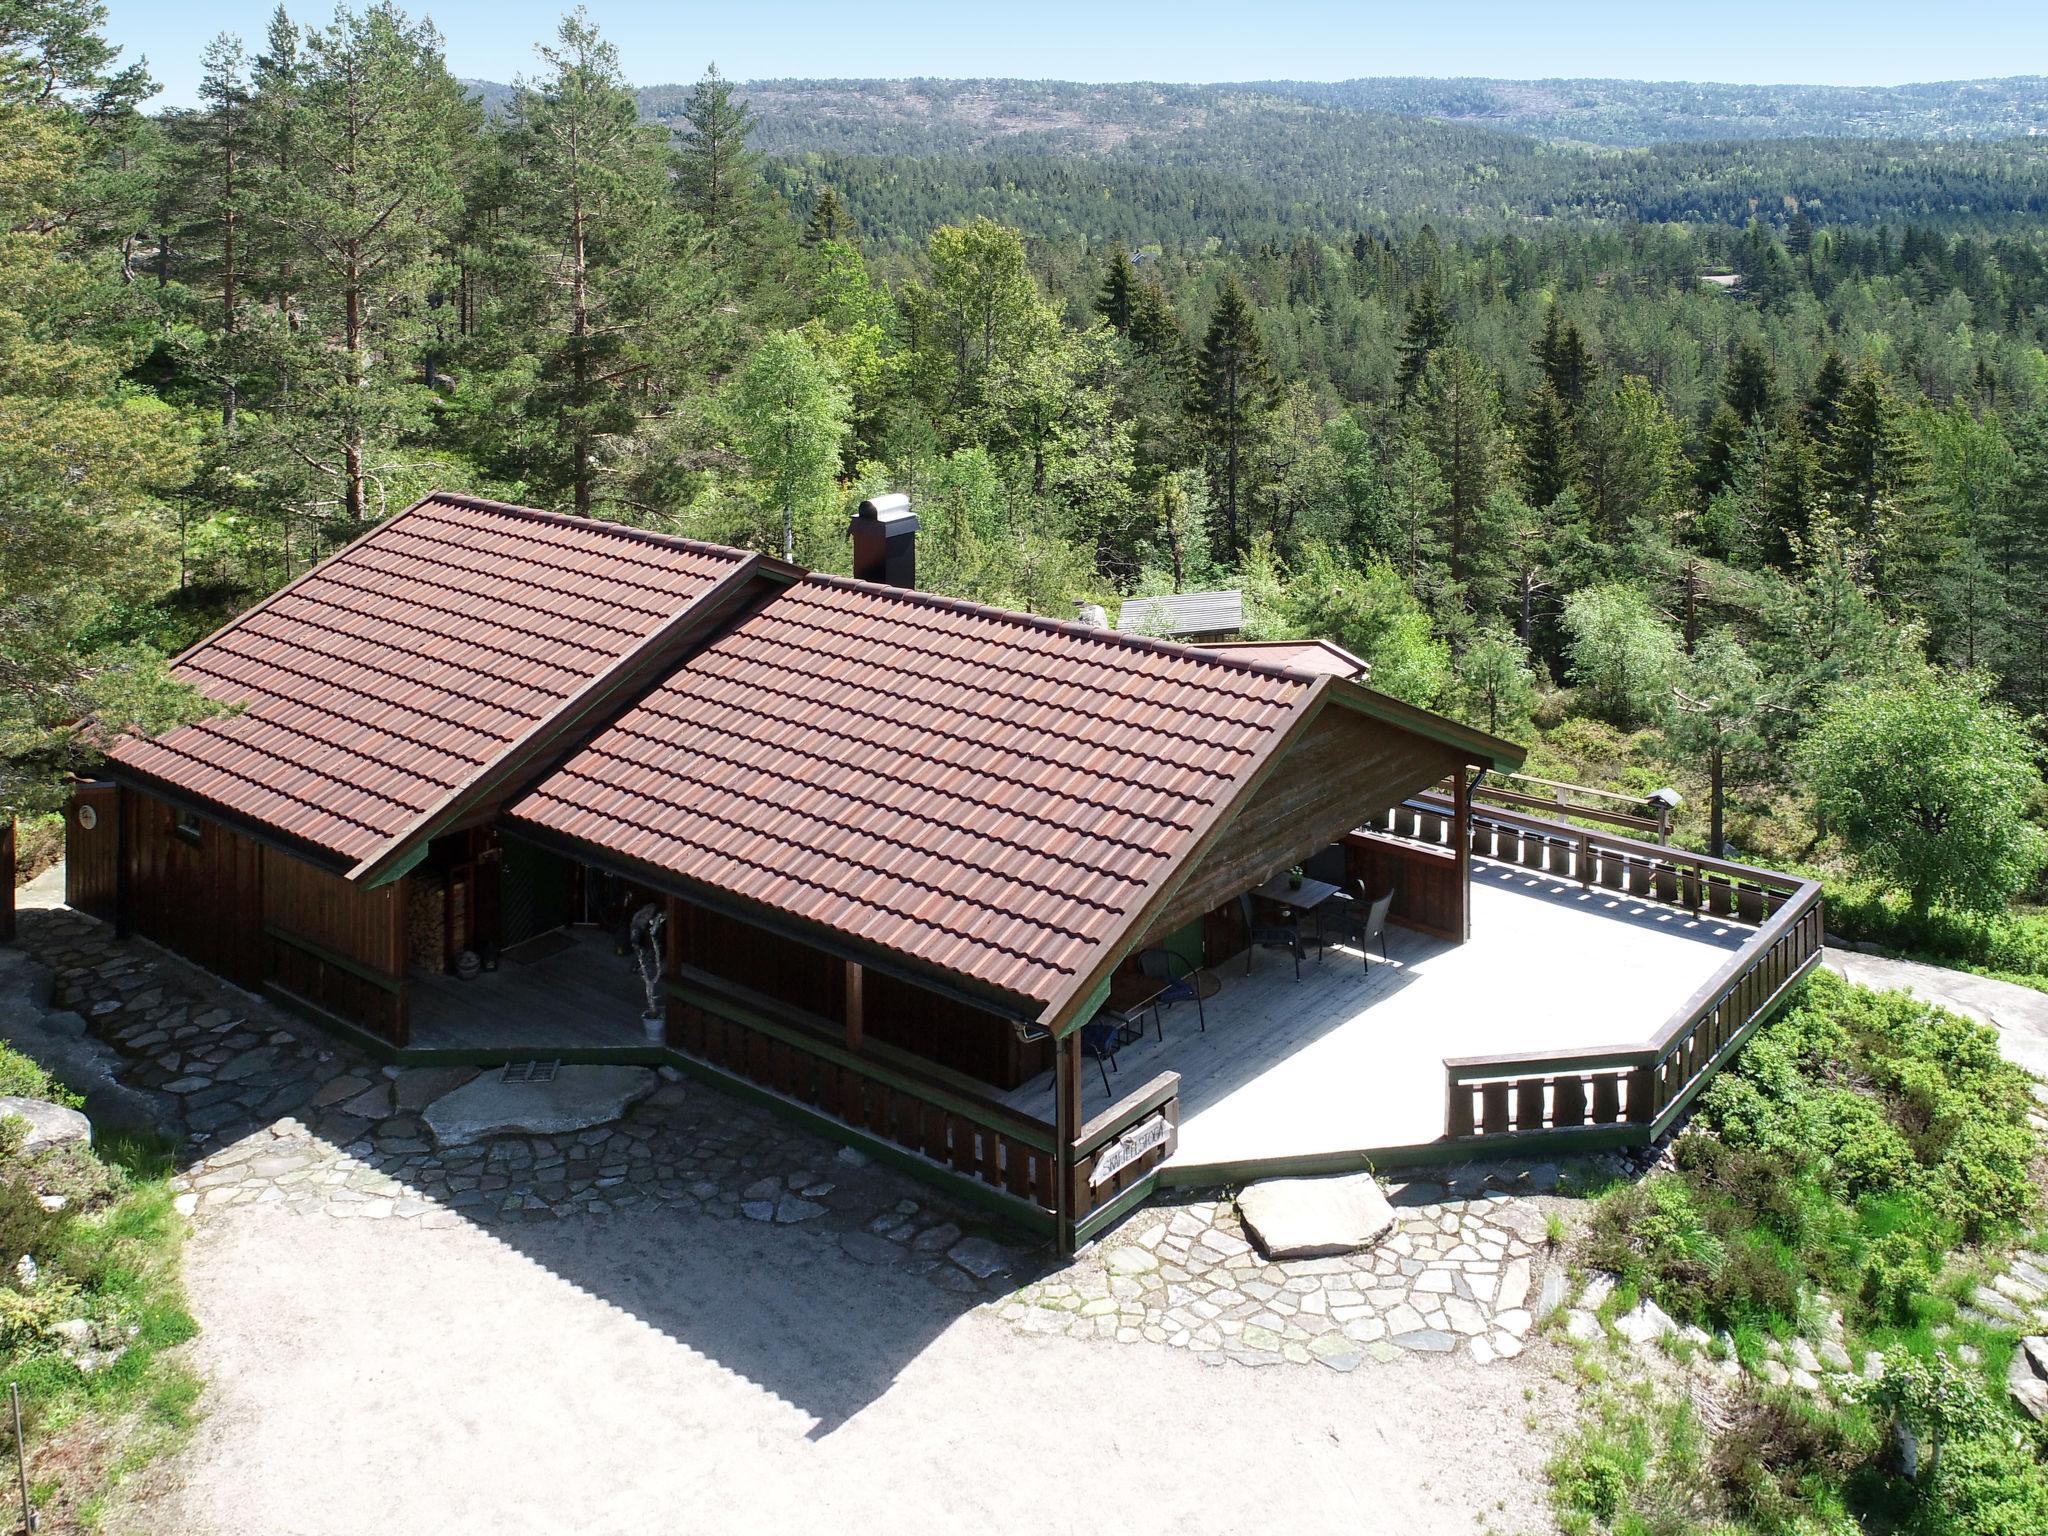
(674, 1373)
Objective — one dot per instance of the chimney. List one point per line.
(885, 541)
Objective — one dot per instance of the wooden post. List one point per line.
(855, 1015)
(1066, 1078)
(121, 807)
(1462, 833)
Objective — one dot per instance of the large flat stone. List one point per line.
(577, 1099)
(49, 1125)
(1315, 1218)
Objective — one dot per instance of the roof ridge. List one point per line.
(1067, 627)
(674, 541)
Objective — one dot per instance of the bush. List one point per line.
(1772, 1452)
(1859, 1137)
(22, 1079)
(25, 1227)
(2012, 944)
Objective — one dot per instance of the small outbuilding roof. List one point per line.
(1183, 613)
(401, 671)
(1318, 657)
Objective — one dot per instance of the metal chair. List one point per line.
(1259, 935)
(1359, 919)
(1098, 1039)
(1183, 980)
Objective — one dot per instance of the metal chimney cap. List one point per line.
(891, 511)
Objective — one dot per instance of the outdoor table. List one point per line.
(1132, 996)
(1306, 897)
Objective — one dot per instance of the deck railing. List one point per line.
(1116, 1153)
(1627, 1093)
(872, 1091)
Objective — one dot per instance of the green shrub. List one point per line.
(25, 1227)
(1897, 1271)
(1592, 1483)
(22, 1079)
(2014, 943)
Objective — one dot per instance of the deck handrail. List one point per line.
(1646, 1083)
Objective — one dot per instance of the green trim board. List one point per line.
(381, 980)
(1103, 1217)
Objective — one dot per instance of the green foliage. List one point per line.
(1625, 657)
(1859, 1138)
(23, 1079)
(1931, 783)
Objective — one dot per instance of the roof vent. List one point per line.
(885, 541)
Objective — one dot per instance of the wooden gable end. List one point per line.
(1345, 769)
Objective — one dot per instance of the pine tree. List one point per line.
(719, 178)
(1233, 390)
(371, 191)
(213, 150)
(829, 220)
(1427, 329)
(621, 298)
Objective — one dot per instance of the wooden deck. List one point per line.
(581, 997)
(1350, 1058)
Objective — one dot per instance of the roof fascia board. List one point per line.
(630, 673)
(814, 936)
(1064, 1012)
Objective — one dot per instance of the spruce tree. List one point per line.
(1824, 401)
(1750, 386)
(1427, 329)
(1233, 390)
(1549, 454)
(1117, 301)
(1566, 361)
(829, 220)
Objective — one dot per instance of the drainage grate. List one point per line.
(531, 1071)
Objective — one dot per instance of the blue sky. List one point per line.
(1871, 42)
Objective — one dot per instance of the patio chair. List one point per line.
(1353, 916)
(1183, 980)
(1098, 1041)
(1260, 935)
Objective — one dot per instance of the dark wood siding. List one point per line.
(1344, 770)
(338, 946)
(805, 978)
(1429, 893)
(952, 1033)
(92, 867)
(198, 891)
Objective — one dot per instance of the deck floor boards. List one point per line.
(1353, 1058)
(580, 998)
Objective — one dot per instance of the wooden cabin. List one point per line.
(904, 845)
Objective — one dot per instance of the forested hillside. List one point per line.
(1735, 534)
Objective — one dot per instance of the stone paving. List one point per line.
(273, 1111)
(1456, 1274)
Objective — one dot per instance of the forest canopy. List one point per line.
(1663, 457)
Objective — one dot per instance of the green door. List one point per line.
(534, 895)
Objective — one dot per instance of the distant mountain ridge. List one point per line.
(959, 116)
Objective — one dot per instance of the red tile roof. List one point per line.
(397, 673)
(989, 794)
(1312, 656)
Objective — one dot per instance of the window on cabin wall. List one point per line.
(188, 825)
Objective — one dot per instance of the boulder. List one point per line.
(49, 1125)
(2024, 1379)
(1315, 1218)
(576, 1099)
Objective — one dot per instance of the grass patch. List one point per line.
(90, 1307)
(1861, 1145)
